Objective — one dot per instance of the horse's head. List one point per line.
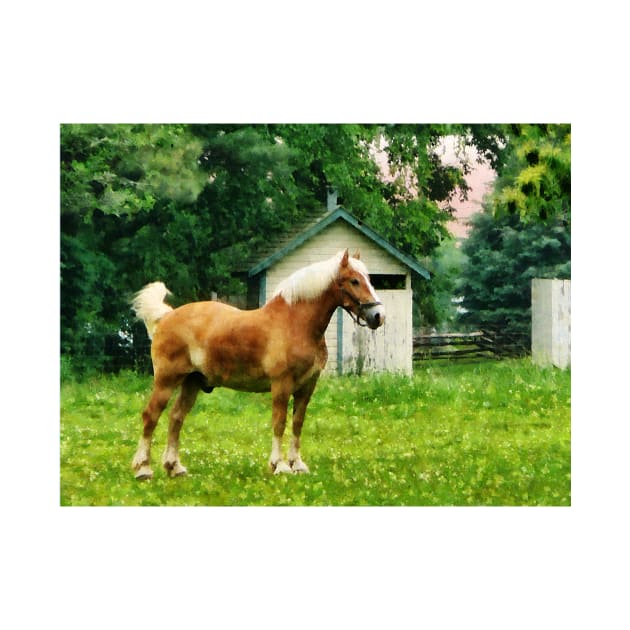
(357, 293)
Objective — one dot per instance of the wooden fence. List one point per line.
(481, 343)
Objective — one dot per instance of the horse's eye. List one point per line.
(354, 282)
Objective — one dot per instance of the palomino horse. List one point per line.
(279, 348)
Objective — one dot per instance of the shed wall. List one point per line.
(388, 348)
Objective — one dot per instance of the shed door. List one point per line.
(388, 348)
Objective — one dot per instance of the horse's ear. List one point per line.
(344, 259)
(357, 255)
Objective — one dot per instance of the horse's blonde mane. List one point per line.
(310, 282)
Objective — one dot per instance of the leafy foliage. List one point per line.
(504, 254)
(524, 231)
(446, 266)
(535, 182)
(180, 202)
(123, 169)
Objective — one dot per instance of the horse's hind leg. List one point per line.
(184, 403)
(159, 399)
(301, 399)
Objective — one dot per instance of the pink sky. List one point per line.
(480, 181)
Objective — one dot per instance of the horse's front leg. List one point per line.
(280, 392)
(301, 399)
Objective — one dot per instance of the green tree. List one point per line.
(535, 178)
(524, 231)
(249, 196)
(178, 203)
(441, 311)
(112, 178)
(503, 255)
(123, 169)
(407, 207)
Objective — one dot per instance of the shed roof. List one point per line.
(316, 223)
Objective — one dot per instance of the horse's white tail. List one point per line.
(149, 305)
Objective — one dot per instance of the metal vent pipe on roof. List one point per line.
(331, 199)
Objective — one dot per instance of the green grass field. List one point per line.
(487, 433)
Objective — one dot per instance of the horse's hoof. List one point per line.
(175, 470)
(144, 473)
(281, 467)
(178, 472)
(299, 466)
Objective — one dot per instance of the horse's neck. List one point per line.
(311, 316)
(322, 312)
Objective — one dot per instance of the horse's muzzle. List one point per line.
(374, 316)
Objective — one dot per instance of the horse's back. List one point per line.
(196, 315)
(226, 344)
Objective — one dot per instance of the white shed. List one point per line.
(351, 349)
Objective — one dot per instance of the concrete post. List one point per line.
(551, 322)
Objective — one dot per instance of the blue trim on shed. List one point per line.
(338, 214)
(339, 340)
